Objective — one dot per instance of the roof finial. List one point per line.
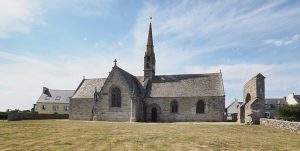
(83, 77)
(115, 62)
(150, 19)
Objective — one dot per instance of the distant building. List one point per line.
(271, 106)
(232, 110)
(293, 99)
(54, 101)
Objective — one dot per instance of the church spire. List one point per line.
(150, 39)
(149, 59)
(150, 50)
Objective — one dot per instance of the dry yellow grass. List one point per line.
(81, 135)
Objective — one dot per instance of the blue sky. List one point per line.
(54, 43)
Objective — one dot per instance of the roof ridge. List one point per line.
(189, 74)
(274, 98)
(60, 90)
(125, 71)
(94, 78)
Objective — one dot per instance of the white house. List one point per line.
(292, 99)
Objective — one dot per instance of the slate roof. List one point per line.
(56, 96)
(134, 82)
(275, 101)
(87, 88)
(232, 103)
(187, 85)
(297, 97)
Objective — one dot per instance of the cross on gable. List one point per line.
(115, 62)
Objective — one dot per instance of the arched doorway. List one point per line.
(154, 114)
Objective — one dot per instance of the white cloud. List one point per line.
(277, 42)
(296, 37)
(206, 26)
(274, 42)
(19, 16)
(23, 76)
(120, 43)
(91, 8)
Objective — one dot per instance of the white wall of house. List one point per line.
(290, 99)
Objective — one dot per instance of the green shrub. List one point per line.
(3, 116)
(289, 112)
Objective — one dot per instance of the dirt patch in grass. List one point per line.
(79, 135)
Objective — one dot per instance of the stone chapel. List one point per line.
(122, 96)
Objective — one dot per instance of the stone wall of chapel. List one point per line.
(104, 110)
(81, 109)
(214, 109)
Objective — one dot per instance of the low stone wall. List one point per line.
(33, 116)
(291, 126)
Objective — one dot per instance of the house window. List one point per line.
(55, 107)
(267, 114)
(66, 108)
(44, 107)
(116, 97)
(267, 106)
(200, 107)
(47, 97)
(57, 98)
(174, 106)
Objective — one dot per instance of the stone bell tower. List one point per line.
(252, 108)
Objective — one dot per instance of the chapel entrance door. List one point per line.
(154, 115)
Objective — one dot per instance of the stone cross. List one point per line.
(115, 62)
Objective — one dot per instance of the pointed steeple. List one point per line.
(149, 58)
(150, 40)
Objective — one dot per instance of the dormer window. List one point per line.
(57, 98)
(47, 97)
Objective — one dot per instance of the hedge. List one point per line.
(289, 112)
(3, 116)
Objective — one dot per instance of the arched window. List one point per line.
(200, 107)
(115, 97)
(174, 106)
(248, 98)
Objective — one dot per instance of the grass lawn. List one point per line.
(85, 135)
